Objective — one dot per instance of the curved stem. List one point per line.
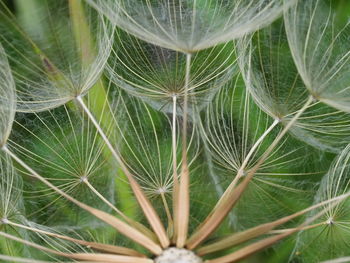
(174, 143)
(23, 260)
(282, 133)
(259, 245)
(97, 246)
(182, 206)
(107, 258)
(99, 195)
(240, 172)
(233, 194)
(256, 145)
(121, 226)
(246, 235)
(170, 229)
(175, 175)
(145, 204)
(133, 223)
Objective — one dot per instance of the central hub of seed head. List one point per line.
(178, 255)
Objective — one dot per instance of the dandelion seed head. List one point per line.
(242, 173)
(49, 72)
(190, 26)
(277, 86)
(318, 43)
(332, 228)
(7, 98)
(156, 74)
(83, 179)
(177, 255)
(11, 199)
(330, 221)
(162, 190)
(4, 221)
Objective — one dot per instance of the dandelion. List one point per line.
(332, 227)
(316, 39)
(157, 75)
(279, 89)
(190, 26)
(55, 70)
(8, 98)
(190, 148)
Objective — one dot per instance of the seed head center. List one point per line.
(178, 255)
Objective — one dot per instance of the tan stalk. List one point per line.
(145, 204)
(232, 193)
(338, 260)
(254, 147)
(130, 221)
(106, 258)
(121, 226)
(248, 250)
(182, 207)
(238, 238)
(281, 231)
(27, 260)
(259, 245)
(96, 246)
(170, 229)
(98, 93)
(174, 142)
(175, 175)
(23, 260)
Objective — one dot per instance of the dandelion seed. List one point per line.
(317, 41)
(156, 74)
(49, 72)
(334, 231)
(278, 88)
(190, 26)
(7, 97)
